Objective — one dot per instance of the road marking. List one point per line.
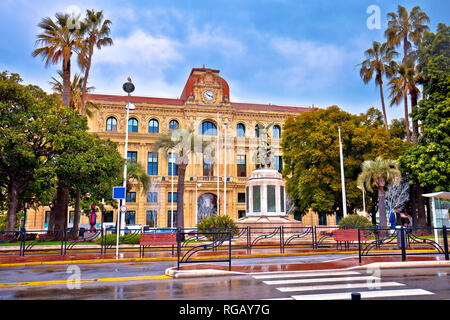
(364, 294)
(338, 286)
(306, 274)
(56, 282)
(315, 280)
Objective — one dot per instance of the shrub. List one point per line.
(222, 223)
(354, 221)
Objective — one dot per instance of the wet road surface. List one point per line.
(124, 281)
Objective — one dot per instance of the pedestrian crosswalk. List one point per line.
(335, 285)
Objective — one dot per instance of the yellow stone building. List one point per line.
(206, 108)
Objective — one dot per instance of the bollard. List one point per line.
(356, 296)
(444, 235)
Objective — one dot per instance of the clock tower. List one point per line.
(205, 87)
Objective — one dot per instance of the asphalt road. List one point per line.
(131, 281)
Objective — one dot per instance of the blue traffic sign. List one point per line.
(119, 192)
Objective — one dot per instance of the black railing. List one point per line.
(214, 240)
(368, 241)
(404, 241)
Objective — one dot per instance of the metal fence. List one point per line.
(367, 241)
(212, 240)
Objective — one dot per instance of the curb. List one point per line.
(404, 264)
(172, 272)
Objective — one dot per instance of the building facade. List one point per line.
(215, 179)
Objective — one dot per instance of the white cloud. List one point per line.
(308, 61)
(214, 39)
(140, 48)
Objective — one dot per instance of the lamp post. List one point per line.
(128, 87)
(225, 153)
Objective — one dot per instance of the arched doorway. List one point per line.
(207, 206)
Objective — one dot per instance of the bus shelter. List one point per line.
(440, 204)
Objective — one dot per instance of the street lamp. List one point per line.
(128, 87)
(364, 199)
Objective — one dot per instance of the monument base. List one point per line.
(263, 223)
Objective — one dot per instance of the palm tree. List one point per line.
(379, 61)
(98, 31)
(136, 172)
(57, 43)
(76, 87)
(378, 173)
(182, 142)
(406, 82)
(403, 27)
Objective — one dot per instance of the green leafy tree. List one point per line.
(311, 156)
(33, 130)
(397, 128)
(427, 162)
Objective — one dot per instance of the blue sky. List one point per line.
(286, 52)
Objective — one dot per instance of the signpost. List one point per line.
(119, 193)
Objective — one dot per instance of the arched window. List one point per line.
(153, 126)
(240, 130)
(111, 124)
(132, 125)
(276, 131)
(173, 124)
(208, 128)
(257, 131)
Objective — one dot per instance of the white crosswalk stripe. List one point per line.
(334, 285)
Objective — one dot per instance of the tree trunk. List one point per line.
(66, 82)
(383, 106)
(11, 217)
(405, 92)
(86, 76)
(381, 201)
(180, 195)
(61, 206)
(15, 191)
(405, 99)
(415, 124)
(420, 203)
(76, 216)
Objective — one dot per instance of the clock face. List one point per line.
(209, 95)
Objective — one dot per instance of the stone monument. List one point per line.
(265, 200)
(265, 193)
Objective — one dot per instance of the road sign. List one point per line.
(119, 192)
(123, 209)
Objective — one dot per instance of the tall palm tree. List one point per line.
(379, 62)
(406, 82)
(403, 27)
(379, 173)
(97, 31)
(56, 44)
(182, 142)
